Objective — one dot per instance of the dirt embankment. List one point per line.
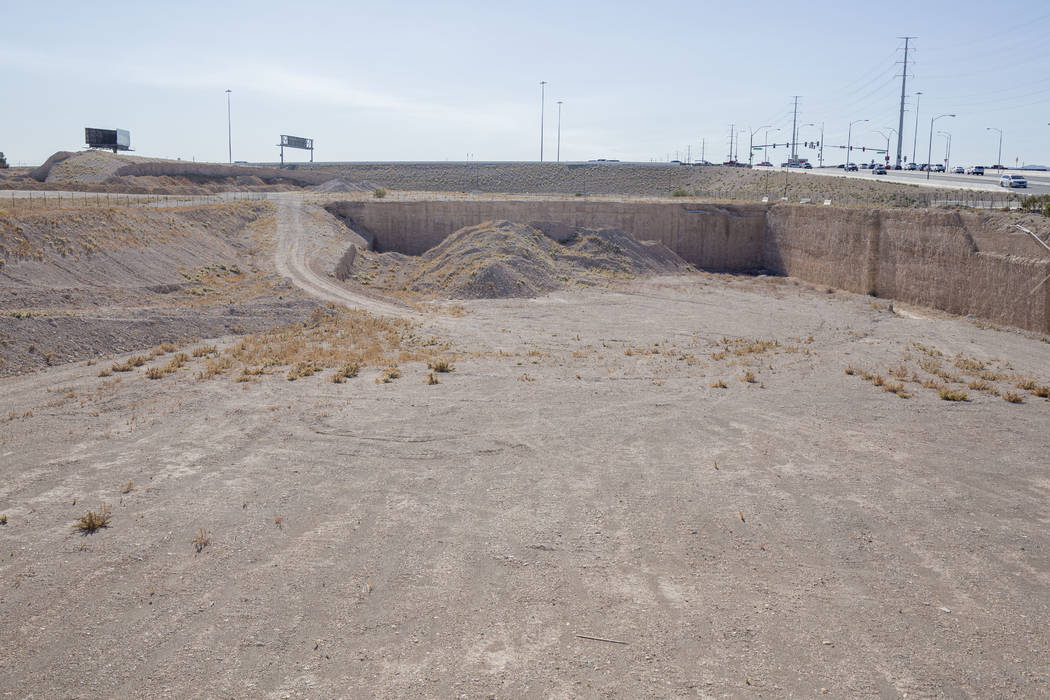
(108, 172)
(78, 283)
(502, 259)
(657, 180)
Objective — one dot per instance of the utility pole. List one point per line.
(794, 132)
(904, 81)
(689, 154)
(929, 151)
(820, 153)
(543, 83)
(915, 136)
(229, 128)
(703, 144)
(999, 161)
(559, 130)
(732, 133)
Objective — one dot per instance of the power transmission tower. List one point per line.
(732, 133)
(794, 132)
(904, 81)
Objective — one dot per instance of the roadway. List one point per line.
(1038, 181)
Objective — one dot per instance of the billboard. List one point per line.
(114, 139)
(297, 142)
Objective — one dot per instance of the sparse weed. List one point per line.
(432, 378)
(1025, 383)
(720, 384)
(128, 487)
(441, 365)
(3, 518)
(949, 394)
(105, 372)
(878, 380)
(155, 373)
(1013, 397)
(1042, 391)
(92, 521)
(851, 370)
(201, 541)
(749, 377)
(203, 350)
(389, 374)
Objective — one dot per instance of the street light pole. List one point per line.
(947, 148)
(929, 151)
(765, 148)
(751, 144)
(543, 83)
(915, 136)
(849, 135)
(888, 128)
(999, 162)
(559, 130)
(229, 128)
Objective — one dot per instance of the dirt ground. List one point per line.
(578, 509)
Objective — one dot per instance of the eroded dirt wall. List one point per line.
(930, 258)
(713, 237)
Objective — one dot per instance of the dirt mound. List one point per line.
(338, 184)
(503, 259)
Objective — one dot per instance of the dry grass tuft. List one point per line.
(878, 380)
(749, 377)
(128, 487)
(1013, 397)
(278, 520)
(441, 365)
(1042, 391)
(347, 371)
(201, 541)
(1025, 383)
(3, 519)
(720, 384)
(432, 378)
(851, 370)
(897, 388)
(92, 521)
(105, 372)
(155, 373)
(949, 394)
(389, 374)
(203, 350)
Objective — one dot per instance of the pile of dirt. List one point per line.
(503, 259)
(338, 184)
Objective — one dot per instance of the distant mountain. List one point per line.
(1035, 167)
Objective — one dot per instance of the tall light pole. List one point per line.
(229, 128)
(915, 136)
(821, 132)
(888, 128)
(929, 151)
(543, 84)
(751, 144)
(999, 162)
(559, 130)
(947, 148)
(849, 134)
(742, 131)
(765, 149)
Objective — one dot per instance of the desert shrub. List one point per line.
(379, 193)
(1013, 397)
(948, 394)
(92, 521)
(441, 365)
(679, 193)
(1037, 203)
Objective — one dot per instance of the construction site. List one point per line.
(520, 430)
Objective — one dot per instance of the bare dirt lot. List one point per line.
(688, 485)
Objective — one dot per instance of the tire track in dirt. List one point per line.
(292, 260)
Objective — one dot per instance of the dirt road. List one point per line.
(303, 252)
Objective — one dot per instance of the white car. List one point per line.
(1013, 181)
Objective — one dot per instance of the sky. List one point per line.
(435, 81)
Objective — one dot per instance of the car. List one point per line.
(977, 170)
(878, 170)
(959, 170)
(999, 166)
(911, 166)
(1013, 181)
(807, 165)
(938, 168)
(840, 166)
(764, 164)
(791, 164)
(851, 167)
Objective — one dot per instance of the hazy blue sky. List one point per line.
(434, 81)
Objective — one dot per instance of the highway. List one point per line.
(1038, 181)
